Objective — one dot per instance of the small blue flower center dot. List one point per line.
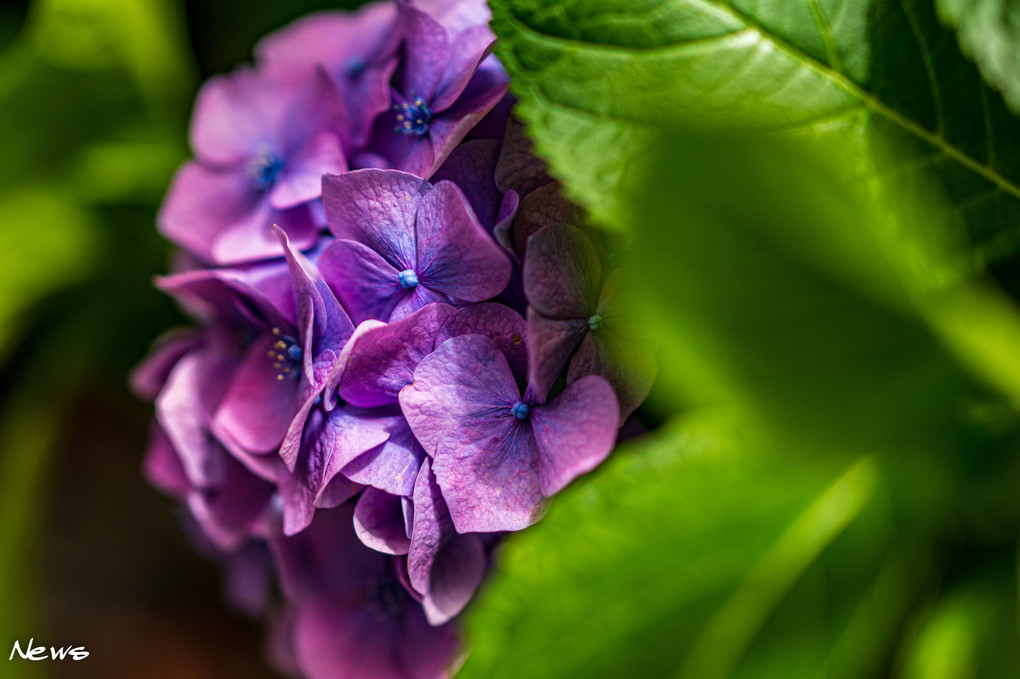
(520, 411)
(408, 279)
(263, 168)
(356, 67)
(413, 117)
(594, 322)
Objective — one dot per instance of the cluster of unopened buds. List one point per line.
(405, 342)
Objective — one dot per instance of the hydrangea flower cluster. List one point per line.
(404, 347)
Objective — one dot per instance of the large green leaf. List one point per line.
(698, 554)
(593, 76)
(989, 31)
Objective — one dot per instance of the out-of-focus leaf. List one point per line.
(144, 37)
(698, 553)
(593, 76)
(989, 31)
(970, 633)
(772, 287)
(46, 243)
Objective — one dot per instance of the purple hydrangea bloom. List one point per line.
(358, 50)
(575, 315)
(261, 149)
(444, 87)
(404, 243)
(350, 615)
(371, 468)
(498, 454)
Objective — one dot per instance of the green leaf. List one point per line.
(46, 244)
(594, 76)
(776, 289)
(698, 553)
(989, 31)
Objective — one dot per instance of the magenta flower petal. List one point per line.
(162, 465)
(368, 285)
(392, 466)
(445, 567)
(553, 341)
(575, 432)
(258, 407)
(379, 522)
(455, 254)
(375, 208)
(181, 413)
(467, 52)
(234, 114)
(562, 272)
(302, 182)
(383, 358)
(458, 387)
(428, 54)
(490, 478)
(500, 323)
(471, 166)
(351, 615)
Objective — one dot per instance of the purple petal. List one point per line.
(393, 466)
(519, 168)
(202, 202)
(500, 323)
(489, 475)
(448, 129)
(162, 465)
(467, 52)
(543, 207)
(575, 432)
(562, 273)
(455, 254)
(377, 209)
(427, 51)
(236, 113)
(465, 384)
(470, 166)
(257, 408)
(301, 181)
(331, 325)
(618, 351)
(181, 413)
(445, 567)
(552, 342)
(628, 366)
(383, 358)
(367, 285)
(348, 435)
(230, 514)
(420, 297)
(325, 38)
(252, 237)
(379, 522)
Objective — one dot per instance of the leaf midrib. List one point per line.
(839, 79)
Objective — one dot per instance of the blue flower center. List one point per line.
(263, 168)
(413, 118)
(408, 279)
(356, 67)
(594, 322)
(520, 411)
(286, 352)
